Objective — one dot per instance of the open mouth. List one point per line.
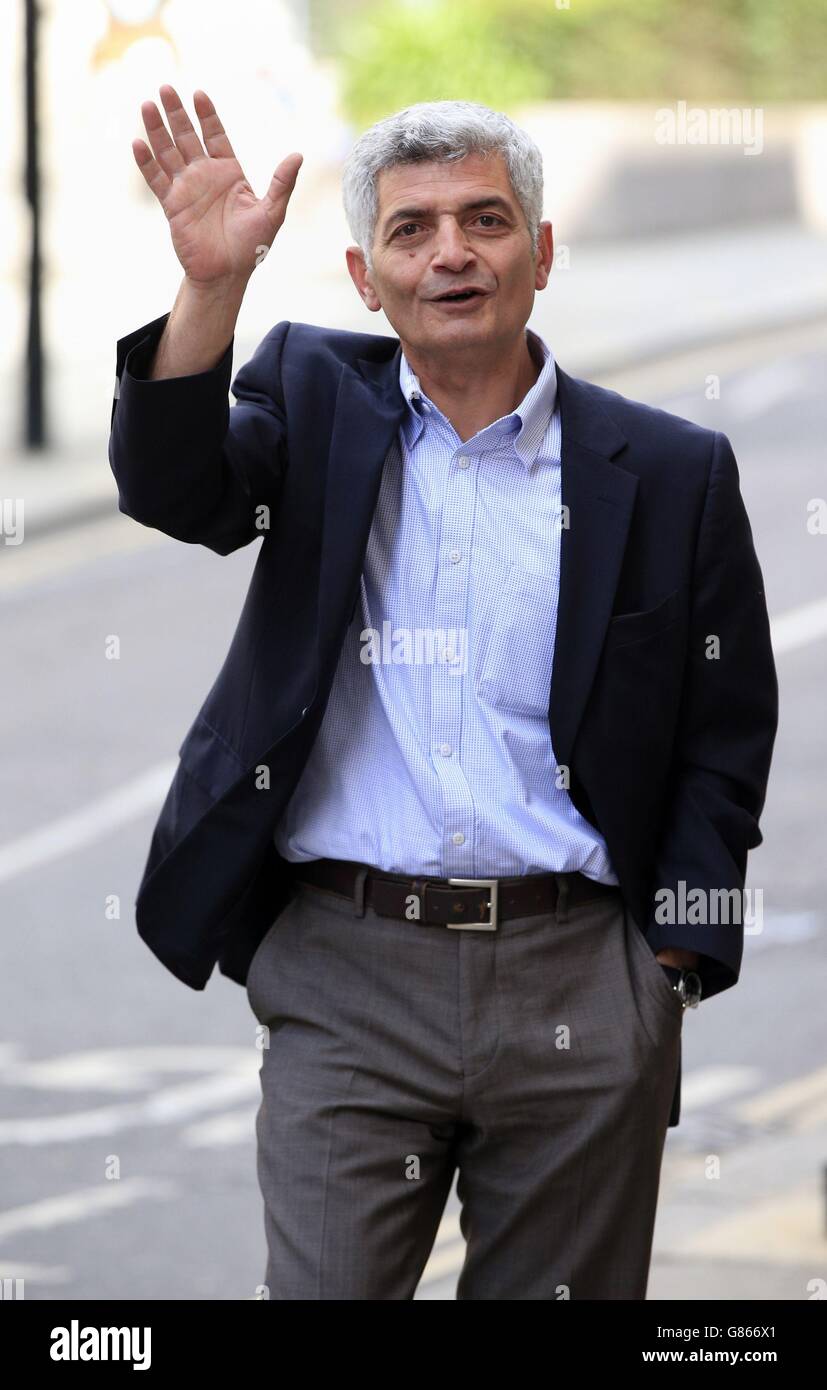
(458, 297)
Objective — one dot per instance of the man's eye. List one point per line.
(492, 217)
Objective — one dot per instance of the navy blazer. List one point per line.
(668, 751)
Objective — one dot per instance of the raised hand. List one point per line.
(218, 225)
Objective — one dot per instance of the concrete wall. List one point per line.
(609, 174)
(108, 262)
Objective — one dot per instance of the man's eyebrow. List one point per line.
(412, 213)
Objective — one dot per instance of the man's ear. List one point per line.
(362, 278)
(545, 255)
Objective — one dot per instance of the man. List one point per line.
(502, 693)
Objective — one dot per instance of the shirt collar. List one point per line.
(526, 425)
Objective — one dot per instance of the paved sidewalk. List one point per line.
(616, 305)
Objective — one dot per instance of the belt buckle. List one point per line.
(491, 883)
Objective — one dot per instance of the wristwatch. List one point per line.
(687, 984)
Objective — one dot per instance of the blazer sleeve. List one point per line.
(185, 462)
(726, 732)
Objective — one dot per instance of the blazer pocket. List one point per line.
(209, 760)
(649, 622)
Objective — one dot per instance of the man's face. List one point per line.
(445, 226)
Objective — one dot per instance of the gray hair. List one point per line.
(438, 130)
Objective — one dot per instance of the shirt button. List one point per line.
(454, 556)
(463, 460)
(445, 750)
(458, 837)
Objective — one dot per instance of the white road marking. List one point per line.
(785, 929)
(9, 1053)
(448, 1253)
(36, 1274)
(165, 1107)
(233, 1127)
(780, 1229)
(449, 1229)
(88, 825)
(783, 1229)
(799, 626)
(120, 1069)
(445, 1260)
(709, 1085)
(756, 392)
(77, 1206)
(799, 1101)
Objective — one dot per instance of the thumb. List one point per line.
(282, 184)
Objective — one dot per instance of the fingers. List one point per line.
(282, 184)
(151, 170)
(164, 149)
(173, 153)
(181, 126)
(215, 137)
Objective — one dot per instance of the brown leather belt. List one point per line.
(476, 903)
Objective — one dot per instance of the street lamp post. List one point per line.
(34, 428)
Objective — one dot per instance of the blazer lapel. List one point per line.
(600, 497)
(369, 410)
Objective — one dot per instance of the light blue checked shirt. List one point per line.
(434, 756)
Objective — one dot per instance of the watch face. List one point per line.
(691, 988)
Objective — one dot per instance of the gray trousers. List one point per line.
(538, 1061)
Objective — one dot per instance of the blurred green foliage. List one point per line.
(501, 52)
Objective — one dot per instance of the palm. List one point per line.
(216, 221)
(218, 226)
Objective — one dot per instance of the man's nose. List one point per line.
(452, 249)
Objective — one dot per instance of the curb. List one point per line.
(104, 506)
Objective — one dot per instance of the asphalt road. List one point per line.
(127, 1100)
